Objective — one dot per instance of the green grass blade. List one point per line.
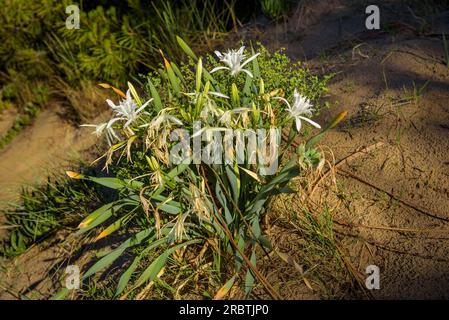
(249, 278)
(153, 269)
(186, 48)
(115, 254)
(155, 95)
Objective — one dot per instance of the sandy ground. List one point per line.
(411, 165)
(45, 148)
(391, 205)
(49, 144)
(393, 202)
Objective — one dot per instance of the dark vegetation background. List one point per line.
(44, 64)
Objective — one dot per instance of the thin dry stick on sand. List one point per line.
(364, 151)
(426, 212)
(344, 161)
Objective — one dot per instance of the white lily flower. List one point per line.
(159, 119)
(301, 107)
(127, 109)
(165, 117)
(100, 128)
(233, 59)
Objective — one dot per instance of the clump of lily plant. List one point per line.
(214, 157)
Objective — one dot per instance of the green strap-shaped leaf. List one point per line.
(255, 228)
(177, 170)
(116, 225)
(113, 183)
(163, 203)
(186, 48)
(178, 72)
(235, 98)
(290, 171)
(169, 208)
(222, 199)
(199, 72)
(104, 262)
(97, 213)
(125, 277)
(155, 95)
(238, 257)
(249, 278)
(234, 181)
(114, 254)
(153, 269)
(134, 94)
(174, 81)
(133, 184)
(223, 291)
(102, 218)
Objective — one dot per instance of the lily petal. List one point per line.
(248, 72)
(143, 106)
(218, 54)
(111, 104)
(284, 100)
(250, 59)
(298, 124)
(218, 94)
(219, 68)
(313, 123)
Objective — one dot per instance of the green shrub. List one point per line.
(216, 208)
(274, 9)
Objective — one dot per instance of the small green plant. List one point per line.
(419, 91)
(213, 206)
(44, 210)
(274, 9)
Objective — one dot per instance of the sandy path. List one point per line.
(44, 149)
(377, 83)
(412, 165)
(47, 147)
(37, 150)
